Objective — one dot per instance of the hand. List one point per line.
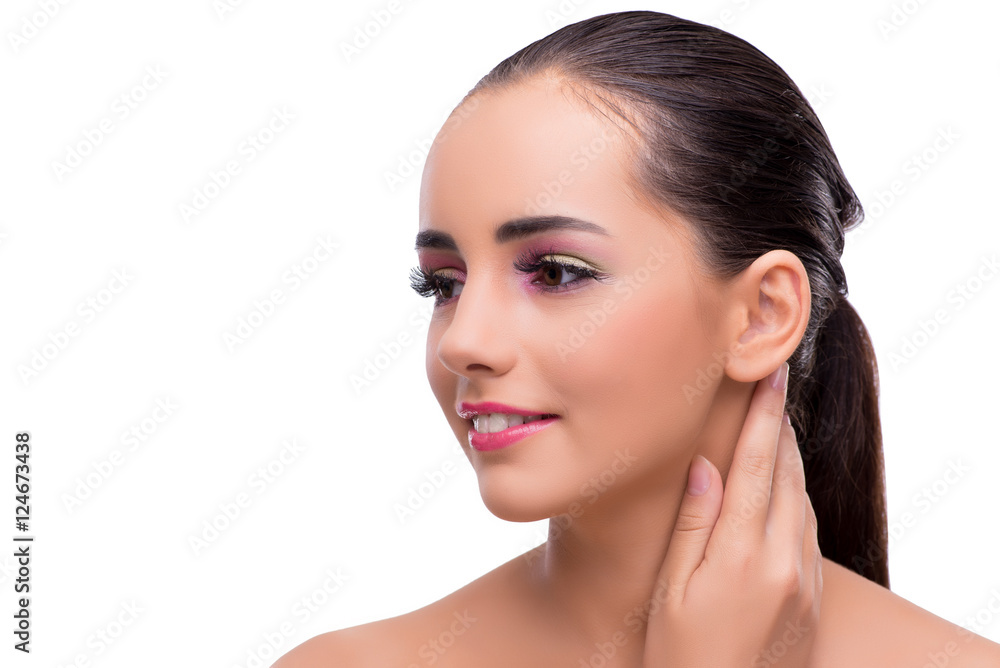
(742, 588)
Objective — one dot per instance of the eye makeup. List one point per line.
(548, 266)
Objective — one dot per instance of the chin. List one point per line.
(511, 503)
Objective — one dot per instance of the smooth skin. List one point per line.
(672, 368)
(742, 558)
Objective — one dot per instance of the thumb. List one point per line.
(696, 520)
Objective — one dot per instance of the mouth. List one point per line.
(495, 425)
(491, 423)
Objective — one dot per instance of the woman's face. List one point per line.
(623, 358)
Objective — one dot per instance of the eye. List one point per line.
(434, 283)
(556, 272)
(554, 268)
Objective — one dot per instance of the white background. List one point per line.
(882, 96)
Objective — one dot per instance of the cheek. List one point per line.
(634, 379)
(444, 385)
(441, 380)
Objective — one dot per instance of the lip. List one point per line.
(509, 436)
(467, 410)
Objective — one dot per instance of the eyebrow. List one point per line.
(512, 230)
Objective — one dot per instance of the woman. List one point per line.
(633, 240)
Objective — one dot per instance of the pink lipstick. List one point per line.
(501, 425)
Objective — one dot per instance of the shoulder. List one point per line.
(412, 640)
(415, 639)
(863, 623)
(419, 638)
(387, 642)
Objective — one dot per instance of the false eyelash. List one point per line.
(425, 284)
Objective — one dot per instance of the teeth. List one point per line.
(497, 422)
(490, 423)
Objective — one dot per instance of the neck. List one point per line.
(598, 569)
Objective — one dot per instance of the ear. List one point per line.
(769, 304)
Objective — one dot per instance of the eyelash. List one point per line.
(426, 284)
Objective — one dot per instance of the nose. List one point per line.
(479, 338)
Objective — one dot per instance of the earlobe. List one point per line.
(770, 300)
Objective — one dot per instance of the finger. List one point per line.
(812, 528)
(695, 522)
(811, 541)
(811, 555)
(785, 531)
(786, 514)
(819, 571)
(748, 484)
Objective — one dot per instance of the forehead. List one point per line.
(536, 146)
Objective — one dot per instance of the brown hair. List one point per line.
(727, 140)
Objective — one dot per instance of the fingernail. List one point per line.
(699, 477)
(787, 419)
(779, 376)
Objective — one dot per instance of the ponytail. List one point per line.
(840, 437)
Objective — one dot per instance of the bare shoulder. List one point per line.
(444, 633)
(863, 623)
(335, 648)
(378, 643)
(415, 639)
